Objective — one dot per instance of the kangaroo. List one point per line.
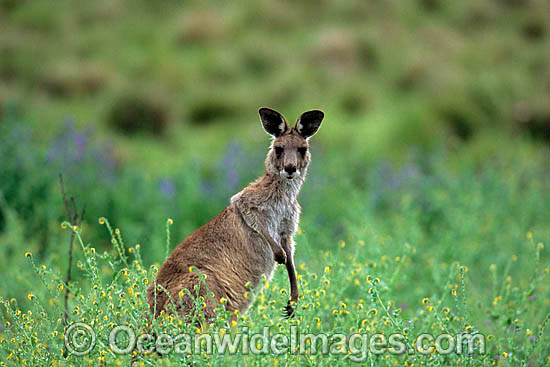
(247, 238)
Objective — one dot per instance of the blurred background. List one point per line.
(436, 132)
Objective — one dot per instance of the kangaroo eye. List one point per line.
(302, 150)
(278, 151)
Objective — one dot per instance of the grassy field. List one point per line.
(425, 209)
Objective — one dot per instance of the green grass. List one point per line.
(357, 291)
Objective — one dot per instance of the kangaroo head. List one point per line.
(289, 155)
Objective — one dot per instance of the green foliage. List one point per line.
(442, 241)
(356, 292)
(467, 66)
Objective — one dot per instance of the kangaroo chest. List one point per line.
(282, 217)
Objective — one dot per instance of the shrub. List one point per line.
(207, 108)
(136, 113)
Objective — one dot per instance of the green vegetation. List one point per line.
(426, 207)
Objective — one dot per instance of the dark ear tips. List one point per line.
(317, 113)
(309, 122)
(273, 122)
(265, 111)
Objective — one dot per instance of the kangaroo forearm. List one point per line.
(278, 251)
(291, 271)
(292, 279)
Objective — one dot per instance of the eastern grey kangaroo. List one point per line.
(245, 239)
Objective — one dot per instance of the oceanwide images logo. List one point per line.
(80, 340)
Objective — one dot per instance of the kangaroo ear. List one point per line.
(308, 123)
(273, 122)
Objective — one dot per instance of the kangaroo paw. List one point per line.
(289, 311)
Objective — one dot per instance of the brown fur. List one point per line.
(245, 239)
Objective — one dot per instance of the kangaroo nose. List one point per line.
(290, 169)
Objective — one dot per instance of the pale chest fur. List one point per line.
(282, 217)
(277, 208)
